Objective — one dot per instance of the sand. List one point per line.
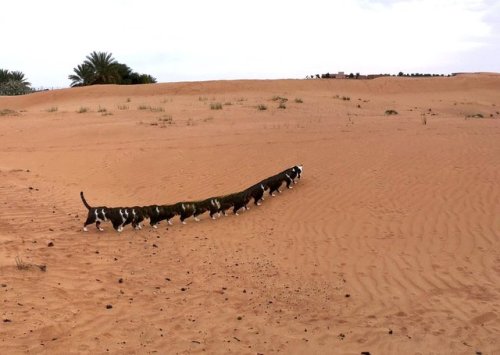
(389, 243)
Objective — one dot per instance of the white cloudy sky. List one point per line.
(229, 39)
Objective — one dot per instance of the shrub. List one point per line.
(279, 98)
(8, 112)
(166, 119)
(391, 112)
(298, 100)
(216, 106)
(52, 109)
(262, 107)
(82, 110)
(476, 115)
(282, 105)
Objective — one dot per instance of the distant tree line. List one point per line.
(102, 68)
(13, 83)
(369, 76)
(419, 74)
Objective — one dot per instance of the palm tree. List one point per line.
(13, 83)
(104, 67)
(4, 75)
(84, 75)
(19, 77)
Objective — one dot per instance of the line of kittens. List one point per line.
(121, 216)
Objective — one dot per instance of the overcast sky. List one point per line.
(228, 39)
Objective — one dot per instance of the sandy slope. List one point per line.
(389, 244)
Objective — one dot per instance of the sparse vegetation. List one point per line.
(83, 110)
(475, 115)
(123, 107)
(101, 109)
(202, 98)
(279, 98)
(424, 119)
(262, 107)
(282, 105)
(150, 108)
(166, 120)
(298, 100)
(21, 265)
(391, 112)
(8, 112)
(52, 109)
(216, 106)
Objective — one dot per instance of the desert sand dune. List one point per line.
(388, 244)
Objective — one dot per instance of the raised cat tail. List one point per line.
(84, 201)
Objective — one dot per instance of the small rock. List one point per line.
(108, 306)
(120, 280)
(365, 353)
(155, 246)
(50, 244)
(6, 320)
(347, 295)
(183, 289)
(239, 318)
(167, 278)
(390, 331)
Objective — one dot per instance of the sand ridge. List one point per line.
(389, 243)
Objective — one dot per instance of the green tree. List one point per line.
(102, 68)
(84, 75)
(13, 83)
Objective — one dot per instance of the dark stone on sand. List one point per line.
(108, 306)
(390, 331)
(50, 244)
(347, 295)
(120, 280)
(7, 320)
